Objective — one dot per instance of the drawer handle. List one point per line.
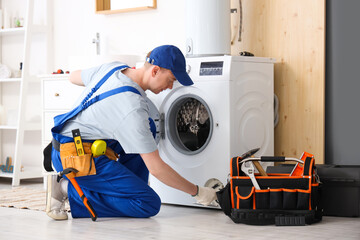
(57, 94)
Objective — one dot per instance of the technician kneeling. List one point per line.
(119, 115)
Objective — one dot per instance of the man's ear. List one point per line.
(155, 69)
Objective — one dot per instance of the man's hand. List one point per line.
(205, 195)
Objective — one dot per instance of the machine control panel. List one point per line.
(211, 68)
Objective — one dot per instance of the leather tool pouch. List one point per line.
(84, 164)
(283, 198)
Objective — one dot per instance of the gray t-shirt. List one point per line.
(123, 116)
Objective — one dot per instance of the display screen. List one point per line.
(211, 68)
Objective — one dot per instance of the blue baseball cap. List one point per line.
(170, 57)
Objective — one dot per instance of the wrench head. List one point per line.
(248, 168)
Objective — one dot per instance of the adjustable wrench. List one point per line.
(248, 168)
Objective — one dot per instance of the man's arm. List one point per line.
(75, 78)
(162, 171)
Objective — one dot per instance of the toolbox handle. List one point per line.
(272, 159)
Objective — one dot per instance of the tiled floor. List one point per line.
(173, 222)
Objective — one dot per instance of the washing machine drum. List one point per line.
(189, 124)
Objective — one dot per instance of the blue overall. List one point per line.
(119, 188)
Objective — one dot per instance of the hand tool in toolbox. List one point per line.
(256, 163)
(247, 166)
(249, 153)
(249, 169)
(80, 151)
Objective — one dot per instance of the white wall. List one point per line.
(135, 33)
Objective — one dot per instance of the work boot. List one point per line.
(55, 199)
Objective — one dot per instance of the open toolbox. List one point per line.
(340, 187)
(260, 198)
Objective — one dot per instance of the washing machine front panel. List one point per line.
(238, 105)
(197, 166)
(171, 146)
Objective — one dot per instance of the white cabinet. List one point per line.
(58, 96)
(59, 93)
(30, 44)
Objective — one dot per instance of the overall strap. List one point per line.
(101, 82)
(110, 93)
(60, 120)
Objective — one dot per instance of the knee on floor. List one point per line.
(151, 207)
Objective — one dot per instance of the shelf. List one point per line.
(5, 174)
(29, 172)
(10, 79)
(31, 126)
(21, 30)
(12, 31)
(31, 79)
(8, 127)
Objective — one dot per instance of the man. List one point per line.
(120, 117)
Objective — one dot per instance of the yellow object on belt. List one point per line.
(69, 149)
(83, 164)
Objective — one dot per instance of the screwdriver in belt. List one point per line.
(80, 152)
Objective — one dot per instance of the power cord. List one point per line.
(276, 110)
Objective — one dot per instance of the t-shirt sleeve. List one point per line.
(88, 74)
(96, 73)
(134, 134)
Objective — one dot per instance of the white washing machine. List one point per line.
(228, 111)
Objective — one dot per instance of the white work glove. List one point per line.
(205, 195)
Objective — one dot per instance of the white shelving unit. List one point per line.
(13, 134)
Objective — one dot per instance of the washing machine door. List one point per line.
(155, 115)
(189, 124)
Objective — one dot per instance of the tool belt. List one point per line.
(272, 198)
(83, 164)
(74, 165)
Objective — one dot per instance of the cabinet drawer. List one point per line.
(60, 94)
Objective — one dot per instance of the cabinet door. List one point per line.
(60, 94)
(48, 124)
